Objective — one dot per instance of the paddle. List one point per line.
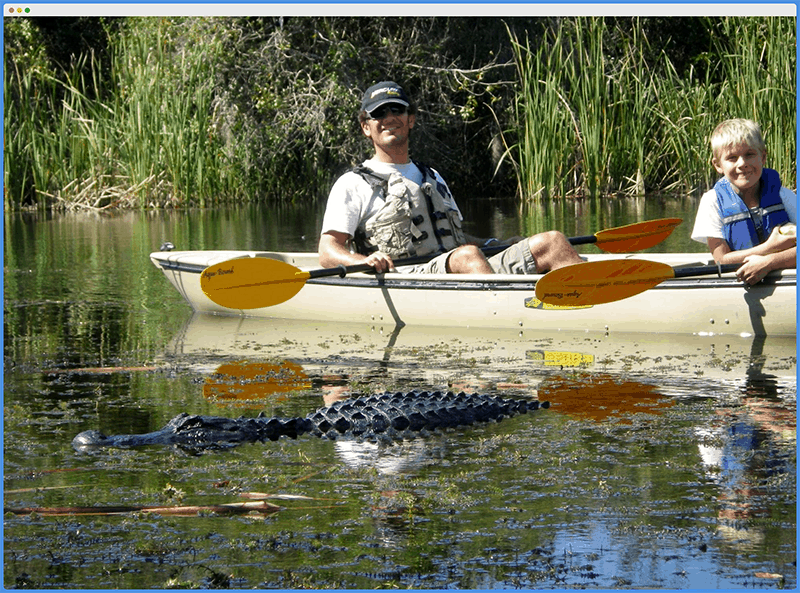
(631, 237)
(242, 382)
(255, 282)
(595, 283)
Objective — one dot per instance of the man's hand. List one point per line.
(334, 251)
(380, 261)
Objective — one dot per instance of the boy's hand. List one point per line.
(754, 268)
(777, 241)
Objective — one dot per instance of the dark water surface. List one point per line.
(663, 461)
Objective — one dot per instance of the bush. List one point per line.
(156, 112)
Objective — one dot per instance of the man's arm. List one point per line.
(334, 251)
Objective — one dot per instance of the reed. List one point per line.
(595, 111)
(640, 126)
(544, 162)
(161, 119)
(630, 133)
(18, 135)
(146, 139)
(590, 88)
(586, 123)
(685, 117)
(759, 83)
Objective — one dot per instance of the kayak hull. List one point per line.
(714, 304)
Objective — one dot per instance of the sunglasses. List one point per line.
(384, 110)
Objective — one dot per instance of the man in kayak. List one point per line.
(748, 217)
(391, 207)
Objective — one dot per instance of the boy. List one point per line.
(741, 217)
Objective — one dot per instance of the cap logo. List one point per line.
(392, 92)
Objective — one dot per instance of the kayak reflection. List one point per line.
(442, 355)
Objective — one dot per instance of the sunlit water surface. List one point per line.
(663, 461)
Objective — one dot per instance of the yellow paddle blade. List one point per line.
(251, 282)
(595, 283)
(637, 236)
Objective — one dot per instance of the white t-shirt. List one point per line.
(352, 201)
(708, 222)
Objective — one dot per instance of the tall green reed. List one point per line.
(685, 116)
(589, 88)
(593, 115)
(148, 138)
(544, 159)
(162, 117)
(760, 83)
(642, 126)
(587, 122)
(630, 132)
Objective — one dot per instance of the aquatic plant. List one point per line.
(178, 112)
(593, 120)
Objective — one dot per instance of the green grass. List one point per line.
(146, 139)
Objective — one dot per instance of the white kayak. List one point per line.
(709, 304)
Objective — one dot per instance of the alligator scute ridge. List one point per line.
(392, 416)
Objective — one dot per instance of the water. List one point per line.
(662, 463)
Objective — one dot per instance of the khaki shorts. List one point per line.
(517, 259)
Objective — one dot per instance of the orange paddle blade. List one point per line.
(595, 283)
(637, 236)
(252, 282)
(254, 382)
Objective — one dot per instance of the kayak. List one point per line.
(708, 304)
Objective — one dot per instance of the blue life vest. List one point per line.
(742, 231)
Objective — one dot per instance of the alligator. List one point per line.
(392, 416)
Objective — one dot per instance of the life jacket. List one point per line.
(414, 220)
(740, 228)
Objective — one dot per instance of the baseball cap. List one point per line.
(382, 93)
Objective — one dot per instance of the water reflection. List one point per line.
(588, 378)
(601, 396)
(245, 383)
(389, 459)
(699, 495)
(741, 450)
(251, 385)
(354, 346)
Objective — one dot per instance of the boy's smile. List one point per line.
(741, 164)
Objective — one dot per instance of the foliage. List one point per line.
(155, 112)
(601, 112)
(203, 110)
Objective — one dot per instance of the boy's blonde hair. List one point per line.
(737, 131)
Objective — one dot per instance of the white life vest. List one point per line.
(414, 220)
